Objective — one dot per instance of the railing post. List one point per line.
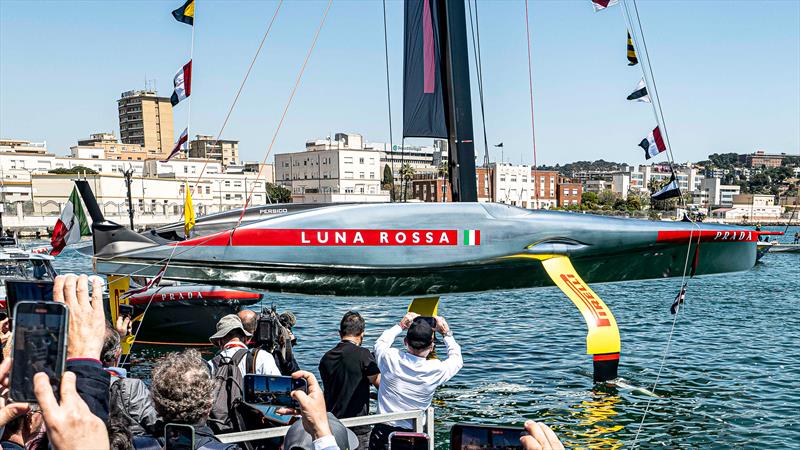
(429, 427)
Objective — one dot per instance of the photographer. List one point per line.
(409, 380)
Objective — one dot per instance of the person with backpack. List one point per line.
(227, 370)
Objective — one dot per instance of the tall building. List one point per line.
(146, 119)
(223, 150)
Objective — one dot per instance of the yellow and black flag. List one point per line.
(632, 59)
(185, 13)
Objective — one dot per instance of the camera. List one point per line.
(267, 334)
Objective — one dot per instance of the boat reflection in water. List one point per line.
(597, 420)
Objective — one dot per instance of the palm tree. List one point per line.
(406, 174)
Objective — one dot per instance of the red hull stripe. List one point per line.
(682, 237)
(257, 237)
(607, 357)
(161, 297)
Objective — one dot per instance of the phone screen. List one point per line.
(272, 390)
(473, 437)
(178, 437)
(408, 441)
(40, 340)
(26, 290)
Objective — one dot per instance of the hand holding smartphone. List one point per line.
(485, 437)
(178, 437)
(272, 390)
(39, 345)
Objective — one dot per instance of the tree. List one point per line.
(388, 177)
(633, 203)
(406, 174)
(607, 197)
(589, 197)
(76, 170)
(278, 194)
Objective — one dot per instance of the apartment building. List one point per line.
(762, 159)
(434, 188)
(545, 182)
(106, 146)
(146, 119)
(332, 171)
(713, 193)
(568, 192)
(224, 150)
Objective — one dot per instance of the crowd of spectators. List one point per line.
(99, 407)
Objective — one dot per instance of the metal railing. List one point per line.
(423, 423)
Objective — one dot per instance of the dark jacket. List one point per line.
(203, 440)
(130, 400)
(92, 384)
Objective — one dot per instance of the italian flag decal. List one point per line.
(472, 237)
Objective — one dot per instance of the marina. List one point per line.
(728, 380)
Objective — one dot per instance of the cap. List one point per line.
(226, 325)
(420, 334)
(298, 438)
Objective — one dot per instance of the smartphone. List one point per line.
(272, 390)
(485, 437)
(178, 437)
(39, 345)
(27, 290)
(401, 440)
(431, 321)
(125, 310)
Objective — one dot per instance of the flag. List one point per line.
(472, 237)
(183, 84)
(653, 144)
(188, 212)
(185, 13)
(600, 5)
(679, 299)
(500, 145)
(71, 225)
(632, 60)
(670, 190)
(640, 94)
(181, 140)
(153, 282)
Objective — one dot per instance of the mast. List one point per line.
(458, 100)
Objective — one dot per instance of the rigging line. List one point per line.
(476, 50)
(191, 72)
(388, 90)
(530, 86)
(283, 116)
(239, 91)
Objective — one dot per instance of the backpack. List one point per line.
(227, 391)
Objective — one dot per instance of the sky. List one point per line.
(728, 74)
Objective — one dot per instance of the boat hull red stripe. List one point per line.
(195, 295)
(326, 237)
(683, 236)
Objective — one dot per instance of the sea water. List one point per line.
(730, 379)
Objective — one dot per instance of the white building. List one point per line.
(712, 192)
(332, 171)
(750, 207)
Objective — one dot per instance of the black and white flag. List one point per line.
(670, 190)
(640, 94)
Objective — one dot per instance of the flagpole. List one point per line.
(191, 72)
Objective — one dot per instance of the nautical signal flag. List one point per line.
(70, 226)
(670, 190)
(632, 59)
(600, 5)
(653, 144)
(679, 299)
(183, 84)
(188, 213)
(185, 13)
(640, 94)
(178, 145)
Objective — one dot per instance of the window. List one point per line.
(185, 168)
(208, 189)
(574, 192)
(513, 179)
(348, 175)
(361, 160)
(227, 196)
(372, 175)
(348, 160)
(361, 175)
(348, 190)
(237, 184)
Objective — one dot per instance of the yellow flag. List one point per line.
(188, 212)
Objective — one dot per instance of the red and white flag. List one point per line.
(71, 225)
(600, 5)
(183, 84)
(178, 145)
(653, 144)
(150, 284)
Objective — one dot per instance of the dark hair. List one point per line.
(352, 324)
(119, 435)
(181, 388)
(111, 346)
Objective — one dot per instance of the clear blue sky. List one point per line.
(728, 73)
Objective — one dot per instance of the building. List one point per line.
(419, 158)
(433, 188)
(106, 146)
(762, 159)
(146, 119)
(545, 188)
(569, 192)
(328, 171)
(750, 207)
(206, 147)
(712, 192)
(523, 186)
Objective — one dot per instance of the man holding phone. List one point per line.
(409, 379)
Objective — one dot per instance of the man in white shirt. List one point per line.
(408, 378)
(232, 337)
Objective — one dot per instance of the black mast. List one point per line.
(458, 101)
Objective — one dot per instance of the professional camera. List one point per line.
(268, 329)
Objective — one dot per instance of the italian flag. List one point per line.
(472, 237)
(71, 225)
